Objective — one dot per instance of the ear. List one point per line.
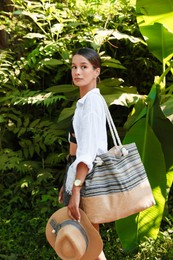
(97, 71)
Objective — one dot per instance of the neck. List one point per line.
(84, 91)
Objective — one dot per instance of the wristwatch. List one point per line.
(77, 183)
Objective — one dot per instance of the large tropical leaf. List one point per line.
(167, 108)
(153, 136)
(112, 90)
(155, 23)
(158, 11)
(135, 228)
(140, 107)
(105, 34)
(163, 128)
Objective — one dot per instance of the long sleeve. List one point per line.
(90, 129)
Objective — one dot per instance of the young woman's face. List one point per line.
(83, 73)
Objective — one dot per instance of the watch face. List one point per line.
(77, 182)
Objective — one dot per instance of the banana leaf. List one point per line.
(155, 11)
(155, 23)
(163, 128)
(167, 108)
(152, 134)
(132, 230)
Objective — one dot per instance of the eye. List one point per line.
(73, 67)
(83, 67)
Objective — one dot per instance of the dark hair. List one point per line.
(91, 55)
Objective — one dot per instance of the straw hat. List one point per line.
(72, 240)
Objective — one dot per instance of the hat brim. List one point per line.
(95, 244)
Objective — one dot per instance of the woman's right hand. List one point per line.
(73, 206)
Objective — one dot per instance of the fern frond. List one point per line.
(55, 158)
(37, 98)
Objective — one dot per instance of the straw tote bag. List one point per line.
(118, 185)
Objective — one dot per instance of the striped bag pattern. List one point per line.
(118, 185)
(115, 174)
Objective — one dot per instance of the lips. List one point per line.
(77, 79)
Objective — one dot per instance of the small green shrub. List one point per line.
(23, 237)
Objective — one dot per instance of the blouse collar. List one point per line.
(94, 90)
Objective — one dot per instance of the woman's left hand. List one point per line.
(73, 206)
(60, 197)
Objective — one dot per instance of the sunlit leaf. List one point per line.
(135, 228)
(155, 23)
(34, 35)
(51, 62)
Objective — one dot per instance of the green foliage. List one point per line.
(35, 69)
(151, 130)
(155, 20)
(24, 233)
(24, 238)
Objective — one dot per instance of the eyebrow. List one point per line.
(80, 63)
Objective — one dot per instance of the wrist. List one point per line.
(76, 191)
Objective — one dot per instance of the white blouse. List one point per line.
(89, 124)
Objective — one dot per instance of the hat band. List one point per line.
(56, 227)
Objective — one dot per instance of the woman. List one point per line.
(89, 123)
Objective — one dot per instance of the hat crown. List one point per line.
(70, 243)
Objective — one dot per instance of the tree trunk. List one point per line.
(5, 5)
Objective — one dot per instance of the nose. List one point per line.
(77, 71)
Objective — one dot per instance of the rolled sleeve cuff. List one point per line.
(85, 159)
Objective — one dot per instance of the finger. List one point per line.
(59, 199)
(70, 215)
(78, 215)
(74, 213)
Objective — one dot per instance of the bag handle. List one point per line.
(113, 130)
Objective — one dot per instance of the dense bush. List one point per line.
(23, 237)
